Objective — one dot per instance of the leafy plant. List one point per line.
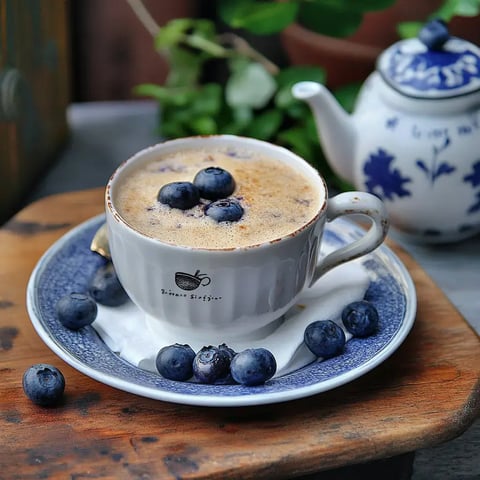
(336, 18)
(218, 83)
(254, 100)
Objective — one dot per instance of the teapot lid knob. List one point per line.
(434, 34)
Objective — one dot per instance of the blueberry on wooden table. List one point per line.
(175, 362)
(360, 318)
(211, 365)
(105, 287)
(324, 338)
(214, 183)
(253, 366)
(76, 310)
(224, 210)
(43, 384)
(181, 195)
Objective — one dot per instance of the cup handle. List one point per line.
(355, 203)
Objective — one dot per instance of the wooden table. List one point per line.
(426, 393)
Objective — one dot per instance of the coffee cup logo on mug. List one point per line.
(223, 280)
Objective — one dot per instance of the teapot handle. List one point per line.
(354, 203)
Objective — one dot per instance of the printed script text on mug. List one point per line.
(190, 296)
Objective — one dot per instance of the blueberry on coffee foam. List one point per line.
(214, 183)
(224, 210)
(211, 183)
(181, 195)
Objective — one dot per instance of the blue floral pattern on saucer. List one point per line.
(69, 265)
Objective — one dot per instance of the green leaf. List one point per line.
(208, 100)
(172, 33)
(289, 76)
(311, 129)
(238, 121)
(356, 5)
(347, 95)
(238, 63)
(265, 125)
(251, 86)
(196, 33)
(371, 5)
(203, 36)
(232, 128)
(260, 17)
(164, 95)
(297, 139)
(304, 143)
(171, 128)
(185, 67)
(284, 99)
(207, 46)
(451, 8)
(203, 125)
(242, 114)
(228, 10)
(409, 29)
(151, 90)
(468, 8)
(330, 19)
(204, 27)
(297, 110)
(180, 115)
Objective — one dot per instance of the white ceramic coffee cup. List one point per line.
(239, 293)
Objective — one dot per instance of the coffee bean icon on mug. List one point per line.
(187, 281)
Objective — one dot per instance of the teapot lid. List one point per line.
(433, 66)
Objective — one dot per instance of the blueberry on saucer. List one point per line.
(360, 318)
(211, 365)
(76, 310)
(324, 338)
(175, 362)
(253, 366)
(105, 287)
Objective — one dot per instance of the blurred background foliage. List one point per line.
(218, 83)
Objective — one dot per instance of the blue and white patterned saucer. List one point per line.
(68, 265)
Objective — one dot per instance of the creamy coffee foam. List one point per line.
(277, 198)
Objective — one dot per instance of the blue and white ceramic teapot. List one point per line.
(414, 136)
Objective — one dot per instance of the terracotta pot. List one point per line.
(351, 59)
(343, 60)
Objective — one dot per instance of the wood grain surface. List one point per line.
(427, 392)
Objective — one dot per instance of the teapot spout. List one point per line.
(335, 127)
